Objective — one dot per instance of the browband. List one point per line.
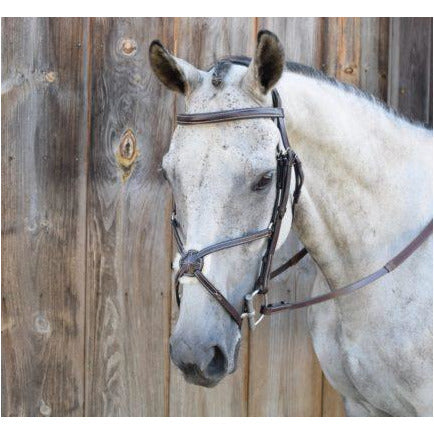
(230, 115)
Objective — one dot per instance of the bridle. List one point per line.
(191, 262)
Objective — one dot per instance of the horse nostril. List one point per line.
(218, 364)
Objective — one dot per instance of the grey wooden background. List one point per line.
(87, 305)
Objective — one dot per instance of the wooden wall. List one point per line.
(87, 303)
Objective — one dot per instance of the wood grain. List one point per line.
(332, 402)
(285, 377)
(128, 241)
(301, 37)
(201, 41)
(410, 77)
(341, 49)
(374, 56)
(44, 131)
(355, 51)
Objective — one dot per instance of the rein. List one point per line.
(191, 262)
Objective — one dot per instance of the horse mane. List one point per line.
(309, 71)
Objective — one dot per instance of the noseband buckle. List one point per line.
(250, 312)
(190, 263)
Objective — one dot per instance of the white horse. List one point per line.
(367, 194)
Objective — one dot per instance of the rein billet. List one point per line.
(191, 262)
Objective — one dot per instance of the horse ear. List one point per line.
(174, 73)
(267, 64)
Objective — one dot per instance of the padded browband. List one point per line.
(230, 115)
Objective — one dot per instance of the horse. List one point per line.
(367, 193)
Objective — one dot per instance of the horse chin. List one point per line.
(195, 376)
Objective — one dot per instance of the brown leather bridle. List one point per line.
(191, 262)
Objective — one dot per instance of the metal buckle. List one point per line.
(281, 152)
(250, 309)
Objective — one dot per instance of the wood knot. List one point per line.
(44, 409)
(128, 47)
(349, 70)
(50, 76)
(127, 153)
(41, 324)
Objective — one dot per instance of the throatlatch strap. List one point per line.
(289, 263)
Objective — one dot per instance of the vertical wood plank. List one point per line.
(285, 377)
(410, 89)
(355, 51)
(332, 402)
(202, 41)
(301, 37)
(341, 53)
(374, 56)
(44, 132)
(128, 243)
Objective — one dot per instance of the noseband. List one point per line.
(191, 262)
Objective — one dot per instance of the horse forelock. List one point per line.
(220, 71)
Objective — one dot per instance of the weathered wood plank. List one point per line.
(341, 53)
(374, 56)
(285, 377)
(206, 40)
(355, 51)
(332, 402)
(44, 133)
(128, 242)
(301, 37)
(201, 41)
(410, 90)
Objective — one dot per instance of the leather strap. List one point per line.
(219, 297)
(230, 115)
(289, 263)
(264, 233)
(410, 249)
(348, 289)
(282, 192)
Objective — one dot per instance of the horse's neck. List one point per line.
(368, 177)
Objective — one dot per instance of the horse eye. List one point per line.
(263, 182)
